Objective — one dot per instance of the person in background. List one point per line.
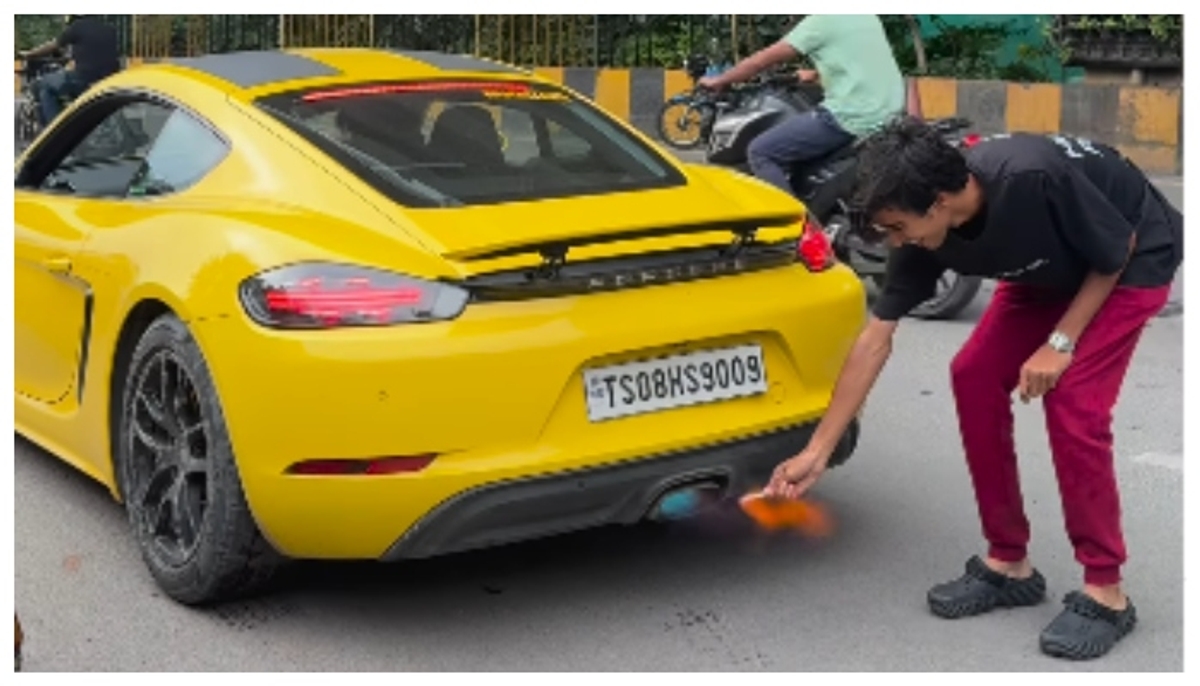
(95, 52)
(863, 90)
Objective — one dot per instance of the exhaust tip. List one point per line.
(685, 501)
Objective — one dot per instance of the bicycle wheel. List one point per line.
(683, 125)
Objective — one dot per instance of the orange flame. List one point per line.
(777, 514)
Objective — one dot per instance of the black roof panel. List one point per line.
(251, 69)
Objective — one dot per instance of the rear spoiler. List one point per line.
(743, 229)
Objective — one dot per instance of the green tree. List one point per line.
(34, 29)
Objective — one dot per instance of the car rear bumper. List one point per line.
(525, 509)
(498, 396)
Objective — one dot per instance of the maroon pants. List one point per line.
(1078, 411)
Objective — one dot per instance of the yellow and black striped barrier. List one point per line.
(1144, 122)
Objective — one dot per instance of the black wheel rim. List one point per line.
(169, 454)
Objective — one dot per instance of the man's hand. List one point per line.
(866, 359)
(808, 75)
(712, 83)
(1041, 373)
(793, 477)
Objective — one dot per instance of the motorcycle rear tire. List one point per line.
(949, 303)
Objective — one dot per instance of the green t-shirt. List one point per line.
(862, 82)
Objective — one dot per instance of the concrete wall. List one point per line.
(1144, 122)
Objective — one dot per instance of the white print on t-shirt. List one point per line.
(1032, 266)
(1069, 143)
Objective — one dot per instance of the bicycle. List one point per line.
(699, 108)
(691, 126)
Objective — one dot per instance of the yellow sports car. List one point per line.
(388, 305)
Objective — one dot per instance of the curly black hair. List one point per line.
(905, 166)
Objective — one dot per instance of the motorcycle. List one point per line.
(28, 117)
(109, 138)
(825, 184)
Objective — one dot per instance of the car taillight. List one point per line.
(327, 296)
(813, 248)
(971, 140)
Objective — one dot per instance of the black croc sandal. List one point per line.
(981, 590)
(1086, 629)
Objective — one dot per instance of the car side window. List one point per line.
(184, 150)
(142, 148)
(107, 158)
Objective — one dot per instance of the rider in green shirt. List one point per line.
(862, 82)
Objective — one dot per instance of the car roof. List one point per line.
(250, 75)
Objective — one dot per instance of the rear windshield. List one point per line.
(445, 144)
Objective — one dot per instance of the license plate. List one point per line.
(661, 384)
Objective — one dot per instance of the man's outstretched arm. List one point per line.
(860, 371)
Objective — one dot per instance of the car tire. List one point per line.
(178, 476)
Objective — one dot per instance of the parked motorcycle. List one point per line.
(825, 185)
(28, 118)
(109, 138)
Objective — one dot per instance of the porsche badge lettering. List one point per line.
(645, 277)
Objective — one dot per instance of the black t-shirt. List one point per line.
(93, 48)
(1055, 209)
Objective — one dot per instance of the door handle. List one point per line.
(57, 265)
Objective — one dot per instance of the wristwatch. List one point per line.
(1060, 342)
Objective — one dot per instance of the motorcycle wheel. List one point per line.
(954, 293)
(27, 124)
(673, 116)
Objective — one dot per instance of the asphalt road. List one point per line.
(705, 595)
